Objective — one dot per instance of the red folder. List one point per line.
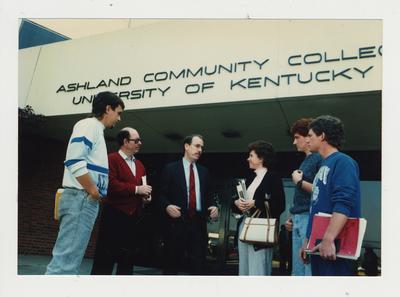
(349, 241)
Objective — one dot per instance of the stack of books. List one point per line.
(349, 241)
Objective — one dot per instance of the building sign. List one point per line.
(329, 71)
(150, 77)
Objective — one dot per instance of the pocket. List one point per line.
(90, 207)
(89, 199)
(69, 203)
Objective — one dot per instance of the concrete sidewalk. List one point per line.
(36, 265)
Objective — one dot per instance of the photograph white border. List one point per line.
(13, 285)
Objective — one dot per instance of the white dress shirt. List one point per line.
(186, 166)
(129, 161)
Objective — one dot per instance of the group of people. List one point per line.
(266, 186)
(326, 181)
(119, 181)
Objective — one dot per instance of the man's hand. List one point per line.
(297, 175)
(173, 211)
(213, 212)
(95, 195)
(327, 249)
(86, 181)
(146, 199)
(302, 252)
(289, 224)
(144, 190)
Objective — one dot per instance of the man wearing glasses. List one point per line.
(127, 192)
(185, 199)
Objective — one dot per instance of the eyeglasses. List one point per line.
(137, 140)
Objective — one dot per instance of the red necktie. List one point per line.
(192, 192)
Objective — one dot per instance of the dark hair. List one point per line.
(332, 127)
(264, 150)
(188, 139)
(102, 99)
(121, 136)
(301, 126)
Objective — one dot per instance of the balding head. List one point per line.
(126, 133)
(129, 141)
(130, 130)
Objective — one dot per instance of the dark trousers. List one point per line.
(285, 252)
(186, 245)
(339, 267)
(115, 244)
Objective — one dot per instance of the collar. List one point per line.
(125, 157)
(186, 163)
(331, 154)
(260, 171)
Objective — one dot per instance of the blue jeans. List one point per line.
(300, 222)
(77, 215)
(253, 262)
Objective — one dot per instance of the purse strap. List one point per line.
(269, 216)
(266, 204)
(256, 214)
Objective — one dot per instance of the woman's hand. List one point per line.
(241, 204)
(249, 204)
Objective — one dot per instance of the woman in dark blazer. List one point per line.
(261, 186)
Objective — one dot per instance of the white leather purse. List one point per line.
(261, 231)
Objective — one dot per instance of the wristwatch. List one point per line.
(299, 184)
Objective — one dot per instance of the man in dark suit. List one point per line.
(184, 196)
(127, 191)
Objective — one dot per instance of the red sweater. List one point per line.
(122, 184)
